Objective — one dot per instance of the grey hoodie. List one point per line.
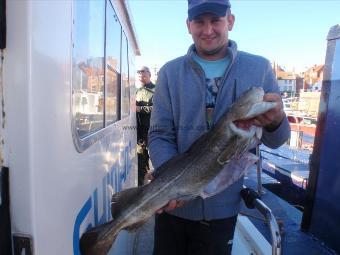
(179, 118)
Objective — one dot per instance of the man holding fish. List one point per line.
(209, 108)
(193, 93)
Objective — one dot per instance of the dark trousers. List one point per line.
(143, 123)
(177, 236)
(143, 161)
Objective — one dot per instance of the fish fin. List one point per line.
(120, 199)
(231, 173)
(93, 242)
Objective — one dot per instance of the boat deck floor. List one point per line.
(294, 241)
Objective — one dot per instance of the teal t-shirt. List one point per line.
(214, 72)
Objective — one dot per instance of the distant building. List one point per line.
(286, 81)
(313, 78)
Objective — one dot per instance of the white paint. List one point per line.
(49, 180)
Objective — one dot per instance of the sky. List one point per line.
(290, 32)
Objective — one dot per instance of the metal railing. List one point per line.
(259, 171)
(273, 226)
(252, 200)
(265, 210)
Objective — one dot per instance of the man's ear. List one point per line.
(188, 26)
(231, 21)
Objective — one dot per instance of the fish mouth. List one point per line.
(245, 128)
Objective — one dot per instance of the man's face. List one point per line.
(144, 76)
(210, 34)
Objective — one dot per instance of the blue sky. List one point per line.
(291, 32)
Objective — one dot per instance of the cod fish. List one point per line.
(213, 162)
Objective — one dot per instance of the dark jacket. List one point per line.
(144, 96)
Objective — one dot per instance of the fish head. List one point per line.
(249, 105)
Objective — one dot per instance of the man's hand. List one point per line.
(272, 119)
(172, 203)
(148, 177)
(138, 108)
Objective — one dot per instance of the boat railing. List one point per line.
(263, 209)
(259, 171)
(252, 200)
(297, 157)
(273, 226)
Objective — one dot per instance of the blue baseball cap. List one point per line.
(198, 7)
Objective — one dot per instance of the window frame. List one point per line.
(82, 143)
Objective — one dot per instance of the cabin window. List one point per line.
(88, 66)
(100, 74)
(125, 87)
(131, 65)
(113, 66)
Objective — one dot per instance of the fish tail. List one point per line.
(96, 241)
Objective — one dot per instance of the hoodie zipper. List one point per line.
(199, 70)
(223, 84)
